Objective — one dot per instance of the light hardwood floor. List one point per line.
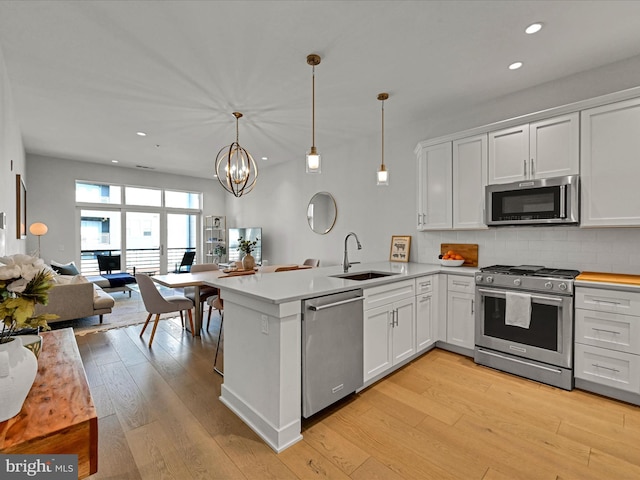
(440, 417)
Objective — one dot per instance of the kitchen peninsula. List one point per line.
(263, 337)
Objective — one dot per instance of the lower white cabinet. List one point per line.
(461, 311)
(389, 329)
(612, 368)
(607, 341)
(426, 311)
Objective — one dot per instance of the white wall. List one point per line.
(12, 162)
(52, 198)
(278, 203)
(279, 200)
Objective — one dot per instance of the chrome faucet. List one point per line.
(345, 261)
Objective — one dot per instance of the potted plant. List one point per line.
(246, 247)
(24, 282)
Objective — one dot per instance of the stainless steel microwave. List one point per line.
(547, 201)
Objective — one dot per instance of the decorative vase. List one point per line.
(248, 262)
(18, 368)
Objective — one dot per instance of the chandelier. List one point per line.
(236, 170)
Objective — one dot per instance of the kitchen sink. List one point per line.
(364, 275)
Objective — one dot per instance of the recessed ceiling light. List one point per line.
(141, 134)
(114, 161)
(533, 28)
(265, 158)
(515, 65)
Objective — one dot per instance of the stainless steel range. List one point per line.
(524, 322)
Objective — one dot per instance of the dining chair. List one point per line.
(186, 263)
(156, 304)
(217, 303)
(205, 290)
(314, 262)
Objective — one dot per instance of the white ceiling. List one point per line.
(86, 76)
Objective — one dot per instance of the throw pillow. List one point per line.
(65, 268)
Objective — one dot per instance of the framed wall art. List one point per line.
(400, 248)
(21, 208)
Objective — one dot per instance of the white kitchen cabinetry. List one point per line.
(469, 181)
(434, 188)
(607, 342)
(389, 326)
(451, 181)
(543, 149)
(610, 165)
(461, 311)
(426, 311)
(214, 241)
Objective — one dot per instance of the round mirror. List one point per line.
(321, 212)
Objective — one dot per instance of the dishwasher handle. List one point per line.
(335, 304)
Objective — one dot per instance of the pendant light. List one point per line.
(383, 174)
(236, 170)
(313, 157)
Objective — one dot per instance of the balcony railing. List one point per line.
(146, 260)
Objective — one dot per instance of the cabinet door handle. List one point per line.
(605, 331)
(605, 368)
(472, 306)
(419, 222)
(396, 315)
(425, 284)
(393, 322)
(460, 284)
(608, 302)
(531, 169)
(525, 168)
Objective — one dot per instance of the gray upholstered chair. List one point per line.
(314, 262)
(205, 291)
(156, 304)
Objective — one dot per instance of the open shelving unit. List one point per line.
(214, 231)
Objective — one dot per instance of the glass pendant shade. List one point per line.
(383, 176)
(314, 161)
(235, 167)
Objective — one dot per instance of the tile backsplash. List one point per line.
(586, 249)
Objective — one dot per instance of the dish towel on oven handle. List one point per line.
(518, 310)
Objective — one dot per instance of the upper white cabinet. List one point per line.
(469, 180)
(543, 149)
(434, 187)
(451, 181)
(610, 165)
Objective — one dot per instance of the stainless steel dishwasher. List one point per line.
(332, 362)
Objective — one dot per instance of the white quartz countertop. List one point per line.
(296, 285)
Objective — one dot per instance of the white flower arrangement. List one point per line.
(24, 282)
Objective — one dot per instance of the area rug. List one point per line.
(127, 311)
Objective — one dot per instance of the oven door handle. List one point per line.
(503, 293)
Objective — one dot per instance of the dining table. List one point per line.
(200, 279)
(195, 280)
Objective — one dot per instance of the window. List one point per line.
(98, 193)
(181, 199)
(149, 197)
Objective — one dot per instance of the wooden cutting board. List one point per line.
(468, 250)
(609, 278)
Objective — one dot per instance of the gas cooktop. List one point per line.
(531, 271)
